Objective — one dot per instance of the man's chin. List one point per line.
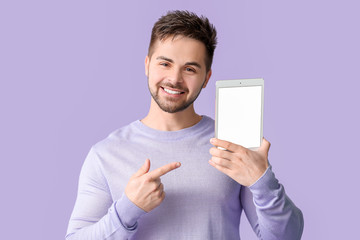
(171, 105)
(173, 109)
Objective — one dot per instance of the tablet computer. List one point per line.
(239, 111)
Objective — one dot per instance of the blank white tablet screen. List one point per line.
(239, 115)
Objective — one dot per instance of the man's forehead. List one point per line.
(179, 47)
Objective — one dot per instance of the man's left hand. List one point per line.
(241, 164)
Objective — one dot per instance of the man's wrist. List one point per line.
(128, 212)
(266, 187)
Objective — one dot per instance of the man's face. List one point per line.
(176, 72)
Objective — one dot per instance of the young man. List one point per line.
(119, 197)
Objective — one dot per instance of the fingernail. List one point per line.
(212, 140)
(178, 164)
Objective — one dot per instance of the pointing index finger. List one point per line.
(164, 170)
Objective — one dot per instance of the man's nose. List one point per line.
(175, 76)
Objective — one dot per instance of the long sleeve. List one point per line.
(95, 214)
(270, 211)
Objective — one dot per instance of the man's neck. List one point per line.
(163, 121)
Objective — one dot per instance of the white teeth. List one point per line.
(171, 91)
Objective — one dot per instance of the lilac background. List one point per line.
(72, 71)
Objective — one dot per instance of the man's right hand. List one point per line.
(145, 189)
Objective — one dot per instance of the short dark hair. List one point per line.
(187, 24)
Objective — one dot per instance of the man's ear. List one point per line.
(208, 75)
(147, 63)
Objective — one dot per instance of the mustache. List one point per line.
(175, 86)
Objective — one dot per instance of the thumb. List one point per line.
(144, 169)
(265, 146)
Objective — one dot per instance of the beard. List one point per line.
(171, 105)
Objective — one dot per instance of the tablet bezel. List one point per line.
(240, 83)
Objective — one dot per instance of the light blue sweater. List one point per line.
(200, 202)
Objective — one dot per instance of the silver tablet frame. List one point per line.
(240, 83)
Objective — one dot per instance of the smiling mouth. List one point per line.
(172, 91)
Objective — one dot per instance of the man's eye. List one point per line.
(189, 69)
(164, 64)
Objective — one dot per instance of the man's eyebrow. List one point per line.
(164, 58)
(193, 64)
(196, 64)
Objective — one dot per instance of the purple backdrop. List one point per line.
(73, 71)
